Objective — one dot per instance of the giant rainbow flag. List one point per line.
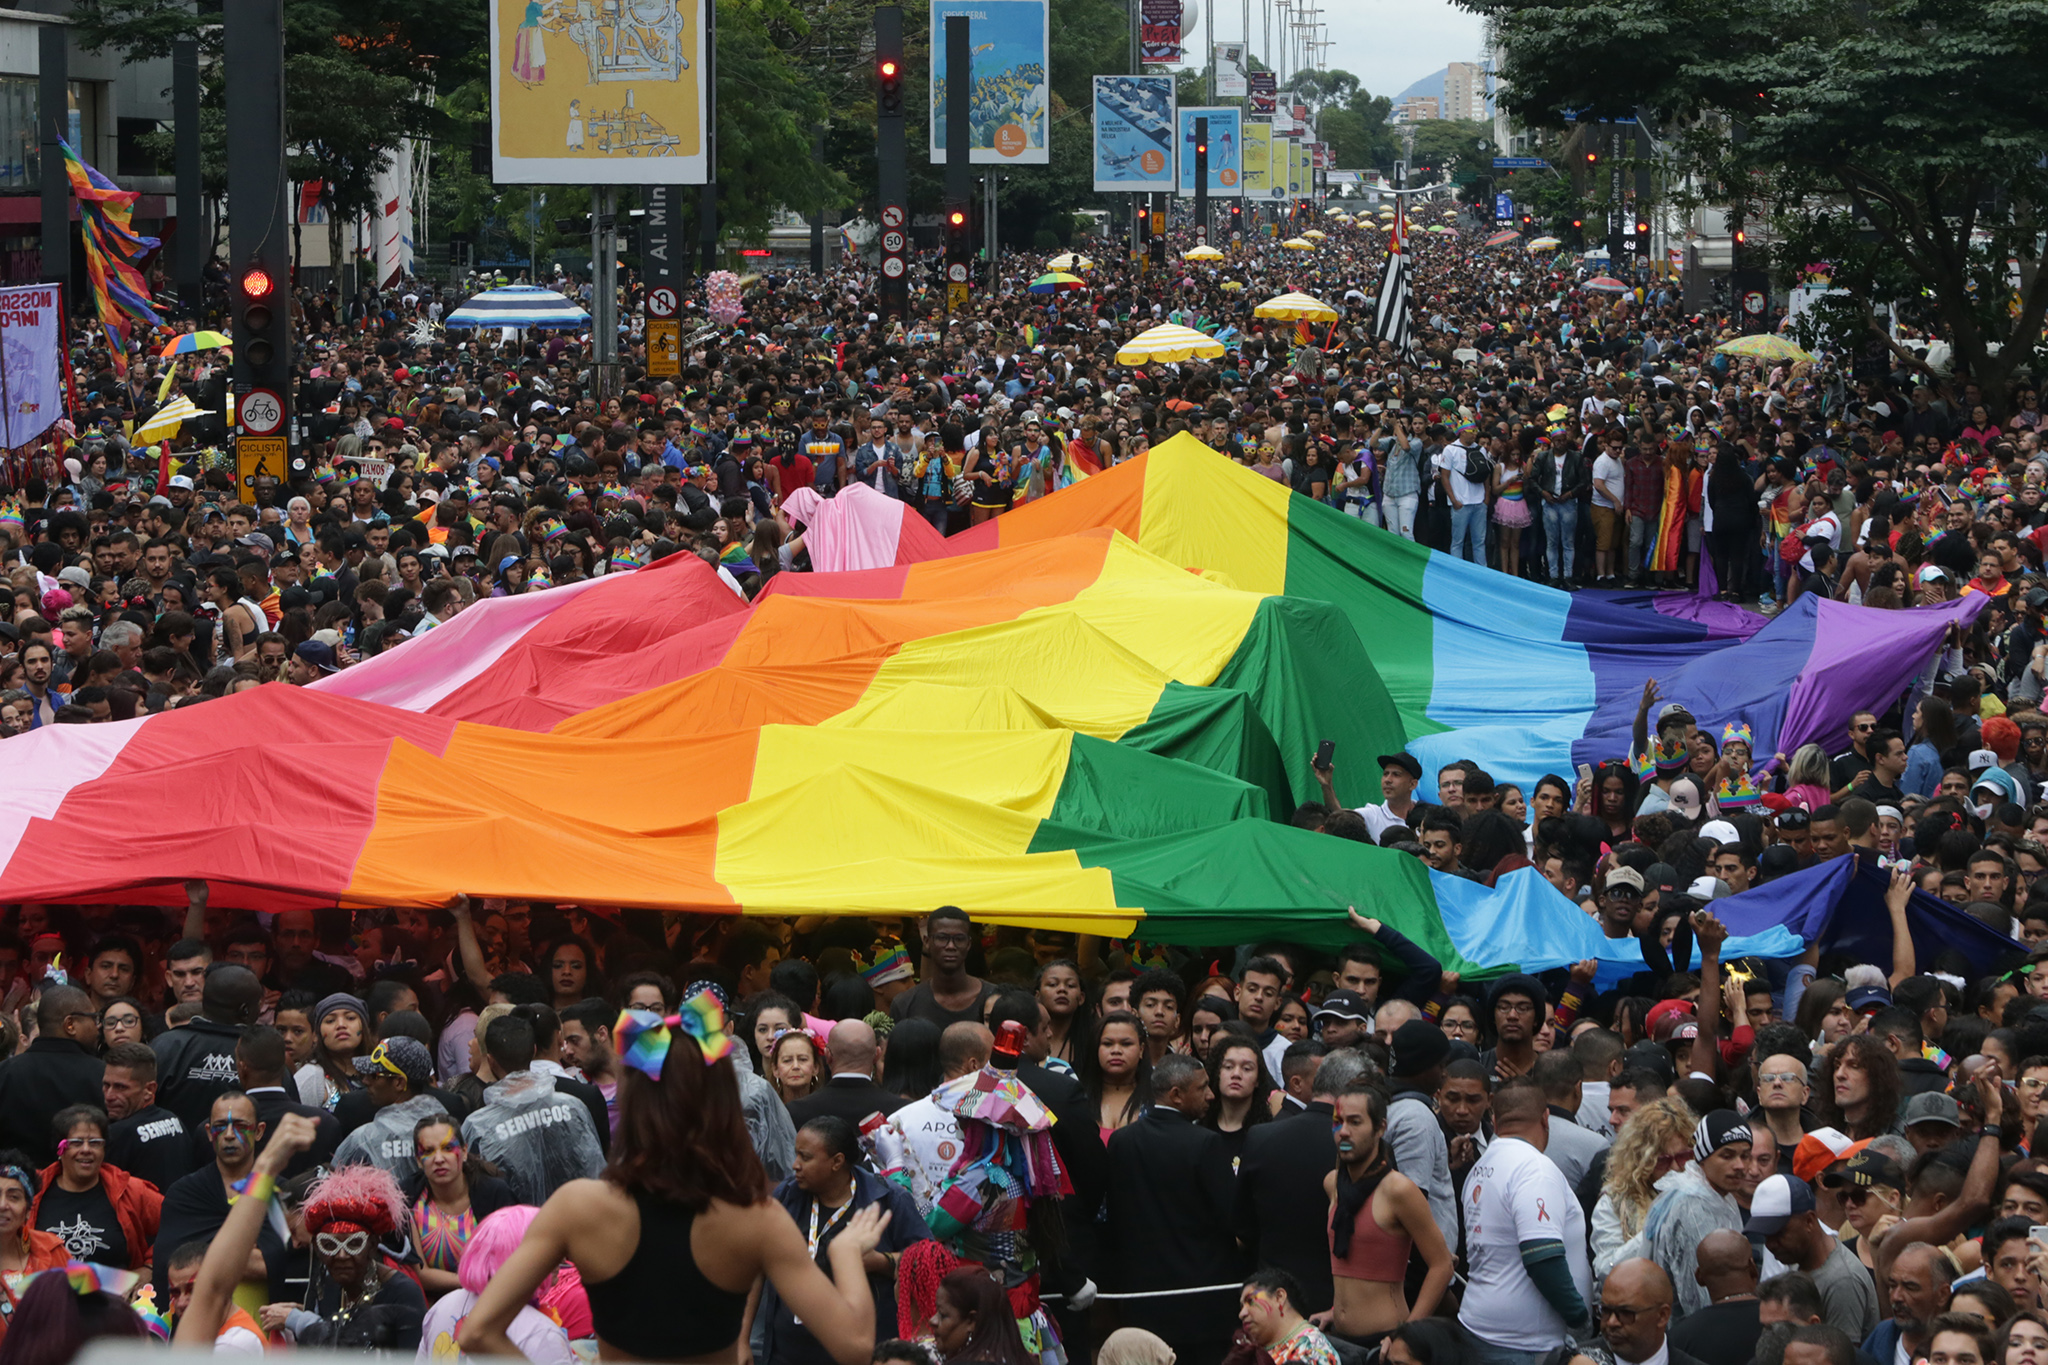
(1098, 723)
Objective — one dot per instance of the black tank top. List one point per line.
(659, 1305)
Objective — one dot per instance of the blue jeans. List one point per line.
(1560, 532)
(1468, 532)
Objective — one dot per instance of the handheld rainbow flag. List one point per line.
(114, 253)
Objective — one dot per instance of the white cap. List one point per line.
(1720, 831)
(1981, 759)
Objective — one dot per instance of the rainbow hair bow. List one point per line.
(643, 1037)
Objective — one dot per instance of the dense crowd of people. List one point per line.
(569, 1131)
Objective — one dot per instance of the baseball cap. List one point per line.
(319, 655)
(1820, 1149)
(256, 540)
(1866, 1169)
(180, 481)
(1673, 710)
(1342, 1004)
(1406, 762)
(1981, 759)
(1625, 876)
(1869, 998)
(1720, 831)
(160, 501)
(76, 575)
(1933, 1107)
(1667, 1017)
(407, 1058)
(1777, 1201)
(1658, 877)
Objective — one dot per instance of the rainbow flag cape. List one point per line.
(114, 253)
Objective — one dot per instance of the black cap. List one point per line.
(1418, 1046)
(1661, 877)
(1341, 1004)
(1405, 761)
(2037, 599)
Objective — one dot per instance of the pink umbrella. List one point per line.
(1607, 284)
(1503, 238)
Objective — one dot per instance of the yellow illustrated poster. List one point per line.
(598, 92)
(1258, 160)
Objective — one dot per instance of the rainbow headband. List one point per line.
(643, 1038)
(1736, 732)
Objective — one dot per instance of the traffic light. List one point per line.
(1740, 237)
(889, 87)
(260, 327)
(959, 235)
(1592, 158)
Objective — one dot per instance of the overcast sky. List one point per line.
(1387, 44)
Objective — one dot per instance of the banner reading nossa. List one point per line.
(604, 92)
(31, 362)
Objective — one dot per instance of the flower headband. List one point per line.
(643, 1037)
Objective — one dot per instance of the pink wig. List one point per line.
(494, 1239)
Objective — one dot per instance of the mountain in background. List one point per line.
(1429, 87)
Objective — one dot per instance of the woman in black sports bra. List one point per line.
(672, 1237)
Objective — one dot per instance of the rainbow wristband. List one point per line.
(260, 1186)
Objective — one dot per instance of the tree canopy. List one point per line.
(1901, 144)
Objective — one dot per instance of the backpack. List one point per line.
(1478, 466)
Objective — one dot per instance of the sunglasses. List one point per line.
(352, 1245)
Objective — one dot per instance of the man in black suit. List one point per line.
(56, 1071)
(261, 1061)
(851, 1093)
(1170, 1201)
(1635, 1313)
(1282, 1214)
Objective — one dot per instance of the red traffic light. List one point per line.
(257, 284)
(888, 70)
(1578, 222)
(1642, 226)
(1740, 236)
(1592, 157)
(956, 218)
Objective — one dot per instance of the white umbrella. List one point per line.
(167, 419)
(520, 305)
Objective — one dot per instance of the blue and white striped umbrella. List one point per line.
(519, 305)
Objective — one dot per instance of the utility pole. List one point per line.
(53, 71)
(193, 238)
(707, 195)
(818, 217)
(604, 289)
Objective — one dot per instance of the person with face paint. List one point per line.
(449, 1194)
(1378, 1216)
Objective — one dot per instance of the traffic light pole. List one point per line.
(258, 241)
(193, 238)
(1202, 180)
(604, 290)
(891, 170)
(959, 173)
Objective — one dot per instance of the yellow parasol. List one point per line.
(1765, 346)
(1169, 341)
(1201, 253)
(1545, 244)
(1315, 234)
(1070, 260)
(1299, 244)
(1296, 307)
(165, 422)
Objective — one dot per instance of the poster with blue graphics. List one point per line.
(1226, 164)
(1007, 105)
(1134, 133)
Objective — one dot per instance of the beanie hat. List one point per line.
(1718, 1129)
(1418, 1046)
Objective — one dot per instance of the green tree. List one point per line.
(1900, 141)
